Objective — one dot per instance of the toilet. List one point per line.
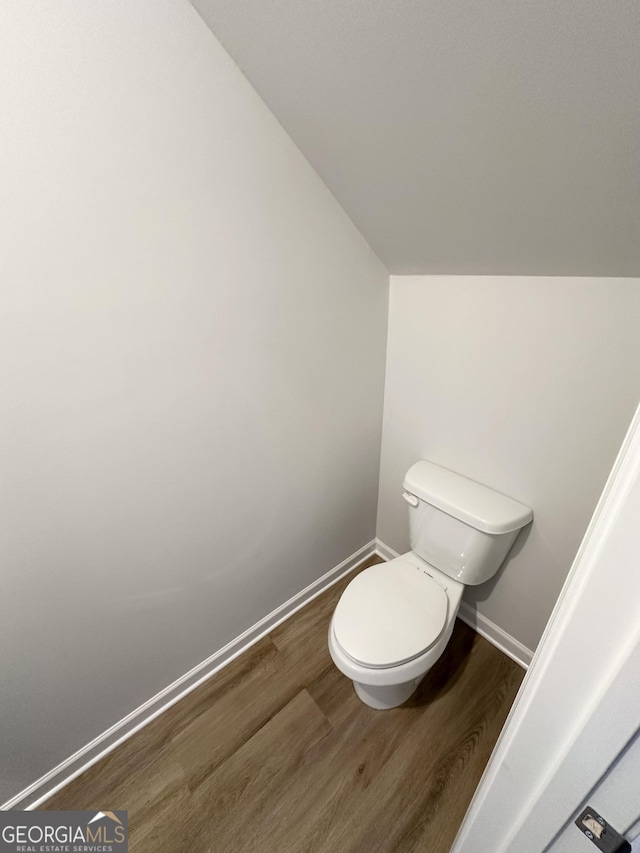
(394, 620)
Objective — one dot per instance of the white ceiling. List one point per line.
(500, 136)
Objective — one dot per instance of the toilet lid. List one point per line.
(390, 614)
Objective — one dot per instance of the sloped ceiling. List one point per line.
(485, 136)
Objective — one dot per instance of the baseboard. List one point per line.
(485, 627)
(47, 785)
(511, 647)
(384, 551)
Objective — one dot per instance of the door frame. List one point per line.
(560, 736)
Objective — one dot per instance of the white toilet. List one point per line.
(394, 620)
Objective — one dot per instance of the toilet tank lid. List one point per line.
(464, 499)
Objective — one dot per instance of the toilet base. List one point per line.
(382, 697)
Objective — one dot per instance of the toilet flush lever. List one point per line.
(412, 500)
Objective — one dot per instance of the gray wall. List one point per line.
(525, 384)
(192, 345)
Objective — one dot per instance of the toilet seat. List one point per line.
(390, 614)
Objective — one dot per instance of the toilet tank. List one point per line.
(459, 526)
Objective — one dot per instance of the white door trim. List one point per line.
(572, 686)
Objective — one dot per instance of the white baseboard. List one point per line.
(485, 627)
(384, 551)
(495, 635)
(47, 785)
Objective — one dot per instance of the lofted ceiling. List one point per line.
(497, 137)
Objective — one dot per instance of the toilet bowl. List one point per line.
(392, 627)
(394, 620)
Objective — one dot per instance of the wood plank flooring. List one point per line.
(276, 753)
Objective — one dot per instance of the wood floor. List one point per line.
(276, 753)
